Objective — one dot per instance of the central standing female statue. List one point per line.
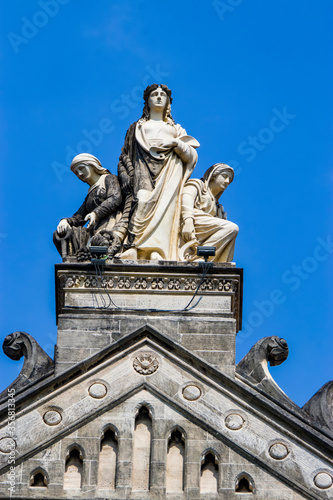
(157, 158)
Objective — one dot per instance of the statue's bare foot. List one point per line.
(155, 256)
(130, 254)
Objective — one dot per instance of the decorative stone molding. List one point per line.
(320, 408)
(234, 421)
(253, 368)
(323, 480)
(7, 444)
(168, 287)
(145, 363)
(164, 284)
(278, 451)
(191, 392)
(52, 417)
(97, 390)
(37, 364)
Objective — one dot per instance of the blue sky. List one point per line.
(251, 80)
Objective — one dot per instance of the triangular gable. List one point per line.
(147, 360)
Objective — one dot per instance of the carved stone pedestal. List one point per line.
(96, 307)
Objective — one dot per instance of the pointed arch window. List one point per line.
(142, 450)
(175, 462)
(73, 470)
(108, 460)
(39, 479)
(209, 474)
(244, 484)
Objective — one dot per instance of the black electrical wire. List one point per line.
(99, 271)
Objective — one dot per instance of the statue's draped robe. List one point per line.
(159, 177)
(104, 198)
(210, 228)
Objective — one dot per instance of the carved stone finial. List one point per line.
(269, 349)
(37, 364)
(13, 345)
(320, 407)
(254, 366)
(277, 351)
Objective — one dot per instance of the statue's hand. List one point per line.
(63, 227)
(188, 231)
(91, 218)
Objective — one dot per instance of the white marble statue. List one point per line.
(204, 221)
(157, 158)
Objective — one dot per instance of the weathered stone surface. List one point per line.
(37, 364)
(320, 408)
(245, 433)
(209, 329)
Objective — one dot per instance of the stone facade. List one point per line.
(95, 310)
(148, 403)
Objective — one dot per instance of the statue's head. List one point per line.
(219, 173)
(84, 164)
(147, 96)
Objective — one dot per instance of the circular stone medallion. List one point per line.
(145, 363)
(191, 392)
(97, 391)
(7, 445)
(278, 451)
(52, 417)
(234, 422)
(323, 480)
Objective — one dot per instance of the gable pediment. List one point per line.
(146, 362)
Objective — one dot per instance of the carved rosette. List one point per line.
(145, 363)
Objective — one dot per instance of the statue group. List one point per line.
(152, 210)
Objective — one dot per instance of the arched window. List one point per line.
(73, 470)
(209, 474)
(141, 450)
(108, 460)
(244, 484)
(175, 463)
(39, 479)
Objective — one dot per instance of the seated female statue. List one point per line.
(101, 208)
(204, 221)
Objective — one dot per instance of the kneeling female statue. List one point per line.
(204, 221)
(101, 209)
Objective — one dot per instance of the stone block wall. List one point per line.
(217, 476)
(95, 311)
